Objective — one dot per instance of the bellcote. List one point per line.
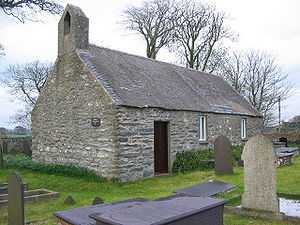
(73, 30)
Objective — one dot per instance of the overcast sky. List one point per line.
(269, 25)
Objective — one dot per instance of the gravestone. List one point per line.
(15, 200)
(69, 200)
(260, 175)
(223, 156)
(97, 201)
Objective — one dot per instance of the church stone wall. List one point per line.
(136, 136)
(61, 121)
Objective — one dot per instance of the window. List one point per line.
(67, 24)
(244, 128)
(202, 128)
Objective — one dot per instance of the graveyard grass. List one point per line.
(84, 191)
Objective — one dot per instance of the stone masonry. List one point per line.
(123, 145)
(136, 136)
(61, 121)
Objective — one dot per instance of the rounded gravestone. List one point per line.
(70, 200)
(97, 201)
(260, 175)
(223, 156)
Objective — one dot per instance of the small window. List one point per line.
(244, 128)
(67, 24)
(202, 128)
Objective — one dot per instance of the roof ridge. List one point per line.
(156, 61)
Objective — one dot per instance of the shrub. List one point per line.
(201, 159)
(237, 153)
(25, 162)
(193, 160)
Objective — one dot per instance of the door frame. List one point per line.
(168, 139)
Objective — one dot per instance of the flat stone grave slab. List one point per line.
(4, 188)
(80, 216)
(293, 150)
(180, 210)
(206, 189)
(31, 196)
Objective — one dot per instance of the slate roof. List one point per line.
(141, 82)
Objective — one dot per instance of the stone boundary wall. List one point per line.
(17, 145)
(293, 136)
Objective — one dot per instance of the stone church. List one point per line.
(127, 116)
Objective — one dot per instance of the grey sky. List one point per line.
(270, 25)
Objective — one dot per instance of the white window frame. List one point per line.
(244, 128)
(202, 128)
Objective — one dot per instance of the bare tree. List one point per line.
(190, 27)
(199, 34)
(27, 9)
(233, 70)
(258, 77)
(154, 20)
(26, 81)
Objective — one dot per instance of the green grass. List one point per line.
(84, 191)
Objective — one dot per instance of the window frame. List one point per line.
(244, 128)
(202, 128)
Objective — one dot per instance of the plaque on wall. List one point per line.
(96, 122)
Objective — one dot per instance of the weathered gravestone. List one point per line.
(15, 200)
(97, 201)
(223, 156)
(69, 200)
(260, 175)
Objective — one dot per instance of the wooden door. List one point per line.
(161, 147)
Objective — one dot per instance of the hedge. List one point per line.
(25, 162)
(200, 159)
(193, 160)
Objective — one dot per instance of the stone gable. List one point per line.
(61, 120)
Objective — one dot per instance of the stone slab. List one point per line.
(80, 216)
(170, 211)
(293, 150)
(206, 189)
(36, 195)
(4, 187)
